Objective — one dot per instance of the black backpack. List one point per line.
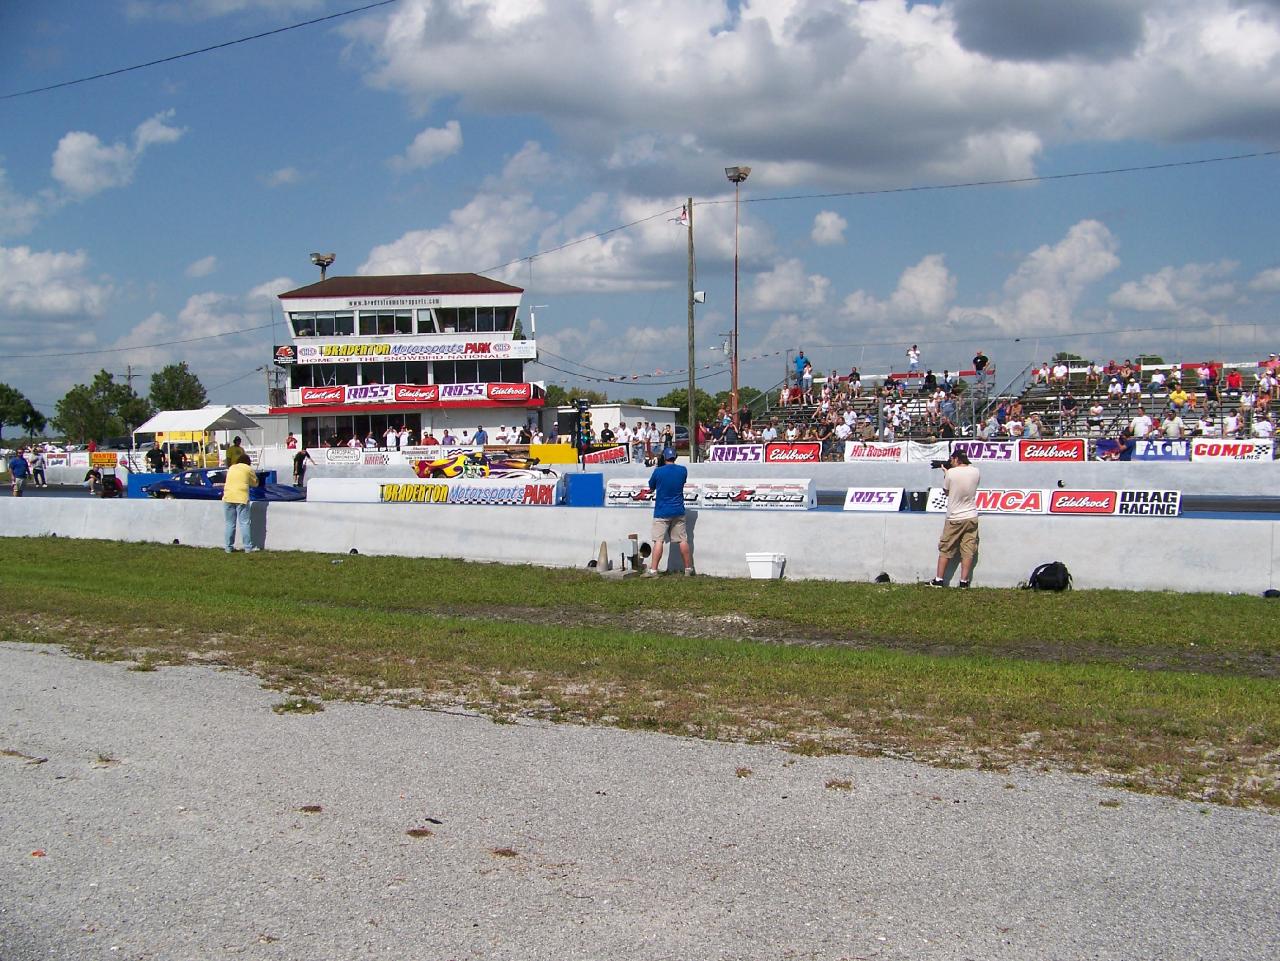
(1053, 576)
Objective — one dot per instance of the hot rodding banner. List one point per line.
(855, 451)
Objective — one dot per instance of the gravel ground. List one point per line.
(168, 817)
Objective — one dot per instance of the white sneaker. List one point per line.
(650, 572)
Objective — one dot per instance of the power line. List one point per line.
(166, 343)
(192, 53)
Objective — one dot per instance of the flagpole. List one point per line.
(692, 417)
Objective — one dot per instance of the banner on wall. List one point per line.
(736, 453)
(633, 492)
(1011, 500)
(919, 453)
(1229, 450)
(617, 454)
(873, 499)
(987, 450)
(739, 494)
(1162, 450)
(793, 452)
(348, 353)
(856, 451)
(1066, 449)
(480, 491)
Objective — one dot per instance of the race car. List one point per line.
(479, 464)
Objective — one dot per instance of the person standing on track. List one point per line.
(960, 480)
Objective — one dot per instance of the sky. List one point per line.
(175, 202)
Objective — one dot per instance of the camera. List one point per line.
(939, 464)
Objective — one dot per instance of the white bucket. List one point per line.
(765, 567)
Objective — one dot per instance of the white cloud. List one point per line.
(84, 165)
(202, 267)
(47, 284)
(788, 287)
(18, 214)
(1268, 281)
(209, 9)
(430, 146)
(284, 177)
(1175, 288)
(1042, 294)
(828, 228)
(920, 91)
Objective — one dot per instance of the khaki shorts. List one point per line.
(668, 529)
(959, 537)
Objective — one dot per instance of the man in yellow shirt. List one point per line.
(235, 505)
(1178, 399)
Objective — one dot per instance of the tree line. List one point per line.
(103, 408)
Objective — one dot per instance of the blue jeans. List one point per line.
(237, 513)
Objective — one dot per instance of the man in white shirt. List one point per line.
(392, 437)
(1157, 382)
(1263, 428)
(1231, 425)
(770, 432)
(405, 437)
(1060, 371)
(960, 480)
(1174, 428)
(1141, 424)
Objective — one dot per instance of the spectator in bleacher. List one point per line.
(1173, 427)
(1094, 418)
(1263, 429)
(1133, 389)
(947, 383)
(1126, 371)
(1013, 427)
(793, 432)
(948, 407)
(1060, 372)
(1002, 413)
(980, 362)
(806, 382)
(930, 382)
(913, 359)
(1231, 424)
(1178, 400)
(1093, 375)
(770, 432)
(800, 362)
(1040, 375)
(1206, 427)
(1156, 384)
(1112, 369)
(1248, 400)
(1033, 429)
(855, 382)
(1206, 374)
(1070, 407)
(946, 429)
(1115, 390)
(1141, 424)
(1235, 382)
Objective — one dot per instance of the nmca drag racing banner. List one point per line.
(1203, 450)
(1127, 503)
(482, 491)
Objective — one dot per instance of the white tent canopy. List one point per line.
(204, 419)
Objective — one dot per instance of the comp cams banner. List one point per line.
(489, 492)
(733, 494)
(1232, 450)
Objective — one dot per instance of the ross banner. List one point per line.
(348, 353)
(1162, 450)
(793, 452)
(1055, 451)
(1223, 450)
(1005, 450)
(856, 450)
(873, 499)
(736, 453)
(785, 494)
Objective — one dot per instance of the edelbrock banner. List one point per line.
(1059, 450)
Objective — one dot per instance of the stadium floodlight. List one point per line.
(323, 261)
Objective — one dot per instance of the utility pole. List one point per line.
(693, 396)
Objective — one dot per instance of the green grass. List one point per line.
(1094, 682)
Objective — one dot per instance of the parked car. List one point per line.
(207, 483)
(682, 438)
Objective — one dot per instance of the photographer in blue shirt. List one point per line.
(667, 483)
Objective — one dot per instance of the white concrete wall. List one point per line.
(1102, 552)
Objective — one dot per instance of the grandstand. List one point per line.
(1214, 399)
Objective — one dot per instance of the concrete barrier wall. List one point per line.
(1122, 552)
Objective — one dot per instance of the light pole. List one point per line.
(736, 175)
(323, 261)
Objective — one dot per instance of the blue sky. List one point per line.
(455, 135)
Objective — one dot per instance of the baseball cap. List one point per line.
(668, 453)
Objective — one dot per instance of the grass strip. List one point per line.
(378, 628)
